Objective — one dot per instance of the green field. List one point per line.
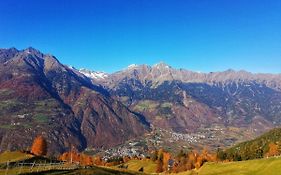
(148, 165)
(146, 105)
(270, 166)
(70, 169)
(89, 171)
(13, 156)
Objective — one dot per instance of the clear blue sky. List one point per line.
(108, 35)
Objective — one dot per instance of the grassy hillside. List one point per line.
(270, 166)
(148, 165)
(256, 148)
(90, 171)
(13, 156)
(16, 157)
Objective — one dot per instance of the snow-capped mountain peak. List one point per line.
(93, 74)
(131, 66)
(161, 65)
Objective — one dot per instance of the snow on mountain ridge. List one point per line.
(161, 65)
(132, 66)
(93, 74)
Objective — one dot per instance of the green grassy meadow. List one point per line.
(148, 165)
(270, 166)
(13, 156)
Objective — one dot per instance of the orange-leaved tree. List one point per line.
(39, 146)
(97, 160)
(75, 157)
(159, 167)
(166, 157)
(273, 150)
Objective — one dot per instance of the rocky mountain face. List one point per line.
(39, 95)
(92, 74)
(185, 101)
(88, 109)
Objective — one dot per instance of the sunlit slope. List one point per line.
(270, 166)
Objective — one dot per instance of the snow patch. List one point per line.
(161, 65)
(94, 74)
(131, 66)
(71, 67)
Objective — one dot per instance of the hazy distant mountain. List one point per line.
(39, 95)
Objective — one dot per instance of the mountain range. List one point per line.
(87, 109)
(41, 96)
(183, 100)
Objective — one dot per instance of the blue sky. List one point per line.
(108, 35)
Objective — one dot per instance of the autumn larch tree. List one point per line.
(98, 161)
(39, 146)
(166, 158)
(159, 167)
(273, 150)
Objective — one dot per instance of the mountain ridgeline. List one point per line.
(184, 101)
(88, 109)
(40, 96)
